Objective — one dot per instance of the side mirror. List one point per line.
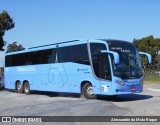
(115, 55)
(148, 55)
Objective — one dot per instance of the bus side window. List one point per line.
(24, 59)
(48, 56)
(15, 60)
(104, 67)
(95, 53)
(52, 56)
(8, 61)
(35, 57)
(75, 53)
(64, 54)
(79, 54)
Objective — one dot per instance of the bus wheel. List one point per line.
(26, 88)
(19, 87)
(87, 91)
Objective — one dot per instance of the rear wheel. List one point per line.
(19, 87)
(87, 91)
(26, 88)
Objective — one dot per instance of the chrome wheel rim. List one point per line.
(26, 88)
(19, 86)
(90, 90)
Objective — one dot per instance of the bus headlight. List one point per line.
(119, 82)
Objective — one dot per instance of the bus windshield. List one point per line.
(129, 66)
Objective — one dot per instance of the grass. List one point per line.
(152, 78)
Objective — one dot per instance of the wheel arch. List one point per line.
(25, 82)
(83, 83)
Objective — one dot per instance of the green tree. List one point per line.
(14, 47)
(150, 45)
(6, 23)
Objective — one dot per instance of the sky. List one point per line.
(41, 22)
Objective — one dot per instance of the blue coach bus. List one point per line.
(88, 67)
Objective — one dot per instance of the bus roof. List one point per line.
(49, 46)
(54, 44)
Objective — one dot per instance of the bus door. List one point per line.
(101, 67)
(105, 74)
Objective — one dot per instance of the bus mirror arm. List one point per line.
(115, 55)
(148, 55)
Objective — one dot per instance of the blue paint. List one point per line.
(68, 76)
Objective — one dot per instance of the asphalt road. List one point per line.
(52, 104)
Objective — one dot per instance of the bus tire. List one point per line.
(87, 91)
(19, 87)
(26, 88)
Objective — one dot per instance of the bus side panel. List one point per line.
(57, 77)
(7, 82)
(76, 74)
(68, 77)
(105, 87)
(47, 77)
(13, 74)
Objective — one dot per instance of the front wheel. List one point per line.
(26, 88)
(87, 91)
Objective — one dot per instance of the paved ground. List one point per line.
(51, 104)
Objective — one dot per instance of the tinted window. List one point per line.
(95, 53)
(8, 61)
(79, 54)
(100, 61)
(15, 60)
(76, 53)
(130, 65)
(104, 67)
(31, 58)
(96, 48)
(24, 60)
(35, 57)
(48, 56)
(64, 54)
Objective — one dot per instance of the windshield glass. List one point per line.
(129, 66)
